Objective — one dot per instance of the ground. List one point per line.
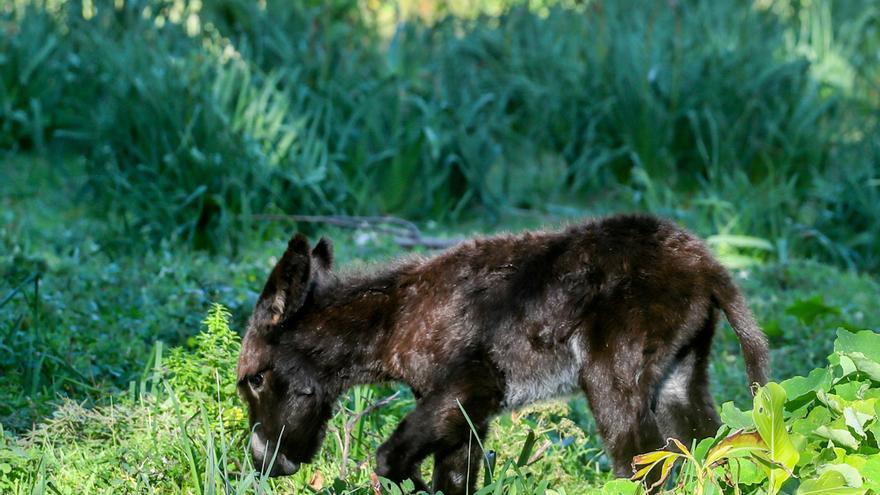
(108, 384)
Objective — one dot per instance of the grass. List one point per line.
(142, 138)
(103, 406)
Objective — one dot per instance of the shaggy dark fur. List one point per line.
(623, 308)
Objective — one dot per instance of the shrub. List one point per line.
(818, 433)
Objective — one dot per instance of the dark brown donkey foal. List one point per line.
(623, 308)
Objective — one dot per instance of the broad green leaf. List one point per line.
(849, 473)
(840, 436)
(857, 461)
(847, 366)
(874, 428)
(735, 418)
(867, 406)
(807, 447)
(621, 487)
(865, 365)
(801, 412)
(407, 486)
(829, 483)
(800, 386)
(702, 448)
(833, 402)
(856, 420)
(767, 413)
(390, 487)
(871, 472)
(746, 471)
(854, 390)
(866, 342)
(711, 489)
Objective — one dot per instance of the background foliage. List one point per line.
(144, 143)
(193, 116)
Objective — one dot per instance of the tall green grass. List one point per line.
(182, 429)
(735, 117)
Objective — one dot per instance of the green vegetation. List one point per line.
(193, 116)
(144, 143)
(821, 428)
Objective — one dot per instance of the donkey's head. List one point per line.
(282, 381)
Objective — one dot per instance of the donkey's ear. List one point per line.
(287, 286)
(322, 255)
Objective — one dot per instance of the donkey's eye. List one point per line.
(256, 380)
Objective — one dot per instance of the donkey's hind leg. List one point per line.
(619, 387)
(683, 405)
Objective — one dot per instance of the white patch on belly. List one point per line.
(675, 387)
(457, 479)
(553, 376)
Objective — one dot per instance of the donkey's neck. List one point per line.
(352, 324)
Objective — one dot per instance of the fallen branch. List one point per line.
(426, 242)
(386, 225)
(539, 453)
(375, 485)
(405, 233)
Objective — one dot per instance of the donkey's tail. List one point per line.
(751, 338)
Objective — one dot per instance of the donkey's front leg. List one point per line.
(456, 470)
(437, 425)
(400, 457)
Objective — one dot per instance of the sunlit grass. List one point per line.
(140, 138)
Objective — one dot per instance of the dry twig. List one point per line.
(406, 234)
(344, 438)
(539, 453)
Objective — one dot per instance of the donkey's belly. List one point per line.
(535, 375)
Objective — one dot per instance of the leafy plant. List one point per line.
(818, 431)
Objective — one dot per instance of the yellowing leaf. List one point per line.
(684, 450)
(650, 460)
(317, 480)
(737, 443)
(651, 457)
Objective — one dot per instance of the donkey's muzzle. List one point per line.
(269, 460)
